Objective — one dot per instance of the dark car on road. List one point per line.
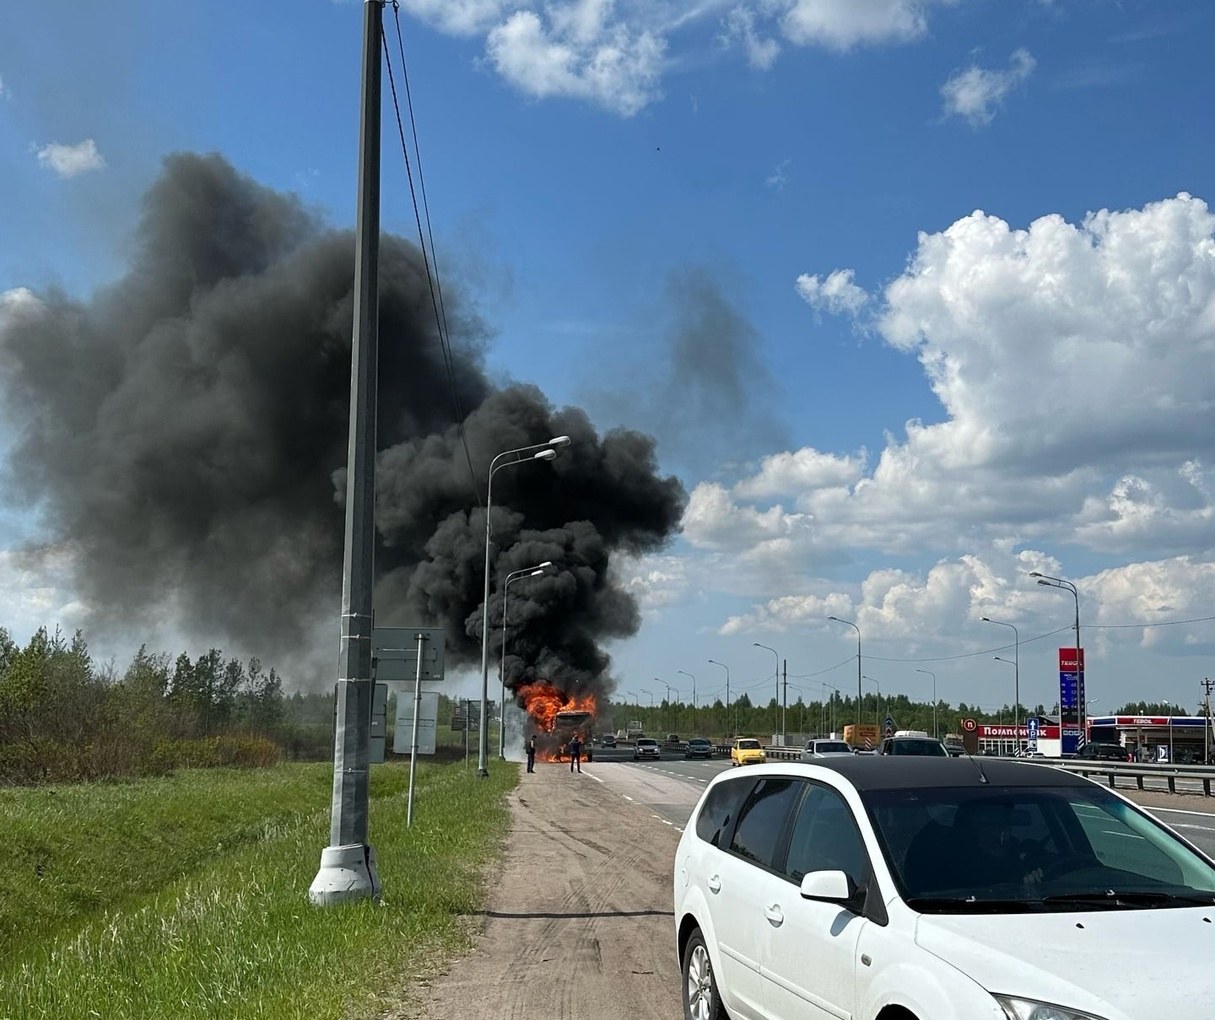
(1097, 751)
(698, 747)
(608, 740)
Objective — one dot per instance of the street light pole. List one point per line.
(859, 695)
(727, 669)
(686, 673)
(1017, 672)
(776, 704)
(1016, 731)
(1058, 582)
(935, 730)
(514, 575)
(543, 451)
(877, 715)
(670, 704)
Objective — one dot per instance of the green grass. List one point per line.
(186, 897)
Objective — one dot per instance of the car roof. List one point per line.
(876, 772)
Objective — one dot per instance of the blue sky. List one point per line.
(964, 247)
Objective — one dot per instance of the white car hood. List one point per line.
(1116, 964)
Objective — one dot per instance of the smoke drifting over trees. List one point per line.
(184, 433)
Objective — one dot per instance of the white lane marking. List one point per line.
(596, 778)
(626, 796)
(1203, 828)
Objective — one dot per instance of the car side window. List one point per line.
(719, 808)
(762, 819)
(825, 838)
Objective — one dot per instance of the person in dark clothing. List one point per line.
(531, 753)
(575, 749)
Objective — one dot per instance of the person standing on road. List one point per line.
(575, 749)
(531, 753)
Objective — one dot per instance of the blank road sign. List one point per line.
(395, 651)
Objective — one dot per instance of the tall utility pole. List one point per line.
(347, 869)
(784, 706)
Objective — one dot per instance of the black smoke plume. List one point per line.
(184, 431)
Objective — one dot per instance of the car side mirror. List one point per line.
(828, 887)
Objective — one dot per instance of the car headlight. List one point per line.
(1031, 1009)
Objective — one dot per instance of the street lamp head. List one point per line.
(536, 573)
(1035, 573)
(1047, 583)
(545, 455)
(559, 441)
(545, 565)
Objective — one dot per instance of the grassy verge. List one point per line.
(186, 897)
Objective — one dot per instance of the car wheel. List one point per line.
(701, 1000)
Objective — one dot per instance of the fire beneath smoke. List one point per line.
(556, 717)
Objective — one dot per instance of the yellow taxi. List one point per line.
(747, 751)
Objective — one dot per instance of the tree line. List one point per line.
(64, 718)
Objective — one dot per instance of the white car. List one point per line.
(825, 749)
(646, 747)
(943, 889)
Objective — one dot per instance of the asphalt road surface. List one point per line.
(579, 921)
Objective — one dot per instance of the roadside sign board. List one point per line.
(402, 740)
(394, 651)
(1031, 742)
(889, 726)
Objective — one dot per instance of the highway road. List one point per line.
(671, 787)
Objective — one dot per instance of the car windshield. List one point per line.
(831, 747)
(698, 741)
(996, 849)
(646, 742)
(748, 745)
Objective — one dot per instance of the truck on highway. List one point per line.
(862, 736)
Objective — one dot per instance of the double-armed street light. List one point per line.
(1058, 582)
(514, 575)
(1016, 673)
(538, 451)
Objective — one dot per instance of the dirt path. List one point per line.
(579, 925)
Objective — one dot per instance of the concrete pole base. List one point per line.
(347, 873)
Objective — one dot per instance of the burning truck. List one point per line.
(555, 718)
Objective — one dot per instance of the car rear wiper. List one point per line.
(1114, 899)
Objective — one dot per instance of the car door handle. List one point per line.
(714, 884)
(774, 915)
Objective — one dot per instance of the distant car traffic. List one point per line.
(824, 749)
(921, 746)
(698, 747)
(646, 747)
(937, 889)
(608, 740)
(672, 740)
(747, 751)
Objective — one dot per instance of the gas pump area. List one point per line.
(1177, 739)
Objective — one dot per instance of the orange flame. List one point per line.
(542, 701)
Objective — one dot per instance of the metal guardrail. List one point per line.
(1114, 771)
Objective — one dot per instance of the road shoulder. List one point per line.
(578, 924)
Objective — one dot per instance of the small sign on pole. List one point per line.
(407, 653)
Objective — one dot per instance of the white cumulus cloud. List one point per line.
(1073, 363)
(579, 50)
(71, 160)
(837, 293)
(976, 92)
